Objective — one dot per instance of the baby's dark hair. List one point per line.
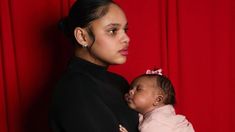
(165, 84)
(81, 14)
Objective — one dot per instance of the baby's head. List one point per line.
(149, 91)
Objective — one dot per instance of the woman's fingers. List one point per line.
(122, 129)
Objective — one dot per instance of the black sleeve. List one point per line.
(77, 108)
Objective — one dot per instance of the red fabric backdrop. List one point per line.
(193, 41)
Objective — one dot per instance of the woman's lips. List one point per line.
(123, 52)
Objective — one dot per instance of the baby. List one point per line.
(153, 96)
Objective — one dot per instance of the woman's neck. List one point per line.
(85, 54)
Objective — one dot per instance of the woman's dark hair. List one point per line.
(81, 14)
(165, 84)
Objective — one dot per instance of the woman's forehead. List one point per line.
(114, 16)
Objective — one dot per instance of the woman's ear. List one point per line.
(81, 36)
(158, 100)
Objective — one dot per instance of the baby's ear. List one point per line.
(158, 100)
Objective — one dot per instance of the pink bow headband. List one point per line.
(154, 72)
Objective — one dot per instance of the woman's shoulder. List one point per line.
(74, 80)
(75, 76)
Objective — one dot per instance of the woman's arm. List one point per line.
(79, 108)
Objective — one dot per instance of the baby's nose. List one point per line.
(131, 92)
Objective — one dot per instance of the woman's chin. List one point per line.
(121, 60)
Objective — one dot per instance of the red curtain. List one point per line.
(193, 41)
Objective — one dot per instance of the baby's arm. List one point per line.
(122, 129)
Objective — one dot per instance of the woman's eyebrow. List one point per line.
(113, 25)
(116, 25)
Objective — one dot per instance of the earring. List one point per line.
(85, 45)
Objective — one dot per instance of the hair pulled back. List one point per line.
(81, 14)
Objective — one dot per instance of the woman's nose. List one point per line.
(125, 39)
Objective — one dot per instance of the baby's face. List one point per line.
(143, 94)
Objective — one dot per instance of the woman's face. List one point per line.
(111, 41)
(143, 94)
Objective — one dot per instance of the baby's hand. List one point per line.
(122, 129)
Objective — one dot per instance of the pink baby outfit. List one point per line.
(164, 119)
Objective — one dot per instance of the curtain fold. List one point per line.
(3, 109)
(9, 71)
(31, 53)
(193, 41)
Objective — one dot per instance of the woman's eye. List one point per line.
(112, 31)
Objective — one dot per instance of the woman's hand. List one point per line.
(122, 129)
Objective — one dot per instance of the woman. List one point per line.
(88, 98)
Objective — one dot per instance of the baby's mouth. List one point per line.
(127, 97)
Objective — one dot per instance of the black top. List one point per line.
(88, 98)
